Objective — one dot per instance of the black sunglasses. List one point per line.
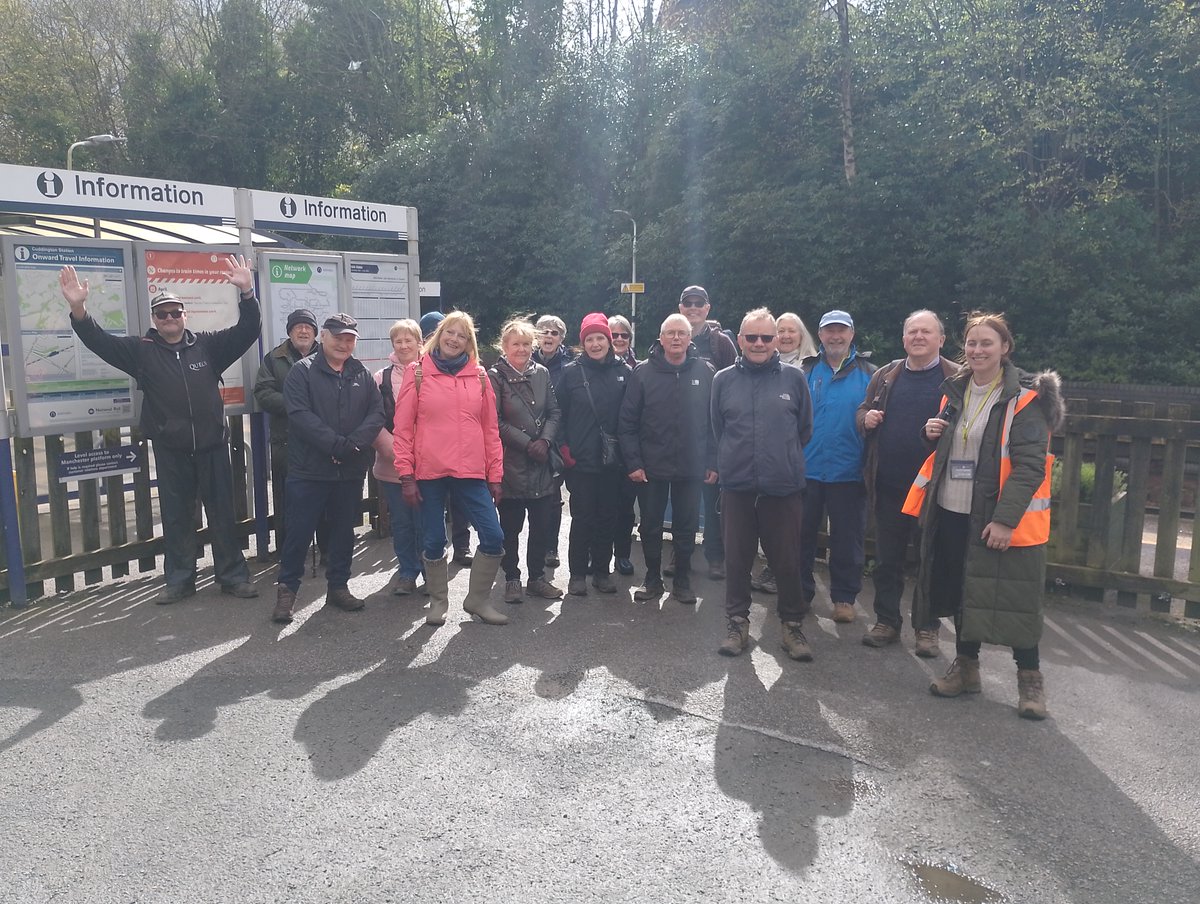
(693, 302)
(622, 336)
(753, 338)
(549, 332)
(163, 315)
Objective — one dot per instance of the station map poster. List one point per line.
(379, 288)
(198, 278)
(294, 281)
(59, 386)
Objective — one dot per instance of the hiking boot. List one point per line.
(961, 678)
(552, 559)
(716, 571)
(681, 589)
(404, 586)
(843, 613)
(242, 590)
(881, 635)
(577, 586)
(285, 599)
(652, 589)
(1031, 694)
(544, 589)
(625, 567)
(737, 636)
(927, 643)
(342, 598)
(173, 593)
(765, 581)
(604, 583)
(795, 642)
(512, 592)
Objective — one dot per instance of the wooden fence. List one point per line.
(1135, 543)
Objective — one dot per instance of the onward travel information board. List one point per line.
(57, 383)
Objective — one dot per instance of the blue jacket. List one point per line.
(835, 453)
(762, 417)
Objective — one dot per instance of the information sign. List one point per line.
(90, 464)
(58, 384)
(379, 289)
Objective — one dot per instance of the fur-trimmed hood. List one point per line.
(1048, 385)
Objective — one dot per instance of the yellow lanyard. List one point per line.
(968, 421)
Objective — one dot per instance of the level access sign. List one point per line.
(92, 463)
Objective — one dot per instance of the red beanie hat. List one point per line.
(595, 323)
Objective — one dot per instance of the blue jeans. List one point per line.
(341, 503)
(406, 531)
(476, 501)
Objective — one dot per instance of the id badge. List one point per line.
(962, 469)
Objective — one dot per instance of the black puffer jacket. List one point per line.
(664, 426)
(333, 419)
(528, 411)
(762, 417)
(181, 397)
(580, 429)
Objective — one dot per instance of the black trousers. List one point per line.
(541, 522)
(623, 538)
(894, 530)
(947, 570)
(776, 522)
(685, 520)
(594, 499)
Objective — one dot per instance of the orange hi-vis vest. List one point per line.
(1034, 527)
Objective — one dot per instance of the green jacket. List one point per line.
(1002, 590)
(268, 390)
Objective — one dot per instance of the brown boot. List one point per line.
(961, 678)
(795, 642)
(737, 636)
(1031, 694)
(343, 599)
(285, 599)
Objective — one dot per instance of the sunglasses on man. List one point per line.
(693, 302)
(759, 338)
(163, 315)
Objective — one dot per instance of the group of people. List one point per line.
(765, 432)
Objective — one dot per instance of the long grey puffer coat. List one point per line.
(1002, 590)
(528, 411)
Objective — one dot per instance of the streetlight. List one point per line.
(632, 269)
(92, 141)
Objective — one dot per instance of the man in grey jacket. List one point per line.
(762, 417)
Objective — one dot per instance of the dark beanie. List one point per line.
(429, 323)
(301, 315)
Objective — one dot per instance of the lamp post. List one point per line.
(92, 141)
(632, 270)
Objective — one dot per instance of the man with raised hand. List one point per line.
(183, 415)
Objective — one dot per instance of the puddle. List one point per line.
(949, 887)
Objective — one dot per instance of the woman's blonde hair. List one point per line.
(462, 320)
(405, 326)
(518, 325)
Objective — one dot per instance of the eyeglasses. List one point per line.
(550, 333)
(754, 338)
(676, 334)
(622, 336)
(693, 303)
(163, 315)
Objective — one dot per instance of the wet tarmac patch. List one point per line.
(948, 886)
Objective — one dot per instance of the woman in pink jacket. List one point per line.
(447, 438)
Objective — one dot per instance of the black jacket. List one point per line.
(268, 390)
(580, 429)
(333, 419)
(181, 398)
(762, 417)
(528, 410)
(555, 363)
(664, 426)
